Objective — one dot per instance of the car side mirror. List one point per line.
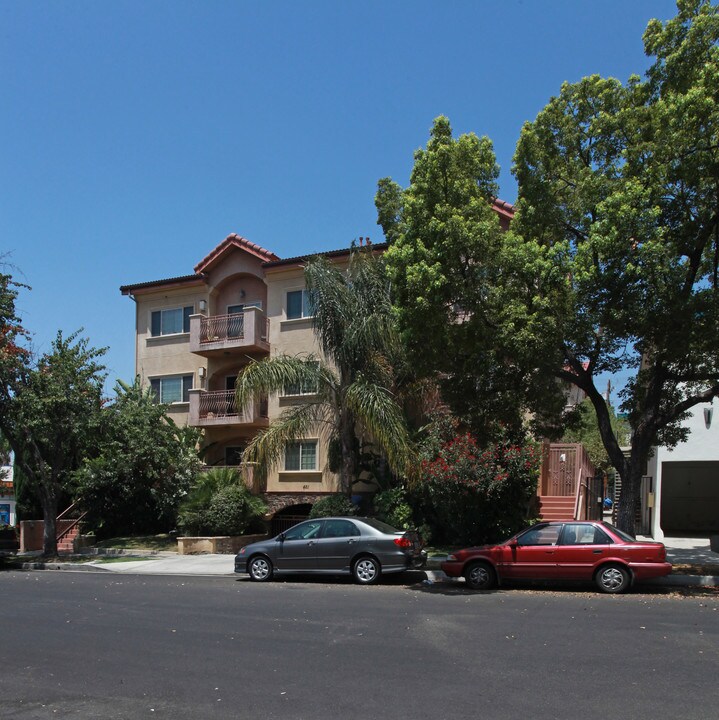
(513, 543)
(281, 537)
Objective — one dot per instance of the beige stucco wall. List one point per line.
(237, 278)
(294, 337)
(167, 355)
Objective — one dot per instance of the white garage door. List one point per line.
(690, 497)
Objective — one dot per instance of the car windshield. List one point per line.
(624, 536)
(379, 525)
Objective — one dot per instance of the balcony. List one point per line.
(215, 335)
(213, 409)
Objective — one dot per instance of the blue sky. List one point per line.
(138, 135)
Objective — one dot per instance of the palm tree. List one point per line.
(351, 383)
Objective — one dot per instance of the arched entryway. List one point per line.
(287, 517)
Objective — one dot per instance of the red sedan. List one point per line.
(564, 551)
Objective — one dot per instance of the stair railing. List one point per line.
(64, 515)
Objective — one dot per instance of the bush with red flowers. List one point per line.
(469, 495)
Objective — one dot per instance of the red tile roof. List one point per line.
(503, 208)
(230, 242)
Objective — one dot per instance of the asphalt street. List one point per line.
(101, 645)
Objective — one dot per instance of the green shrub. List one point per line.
(232, 511)
(468, 495)
(392, 506)
(220, 504)
(333, 505)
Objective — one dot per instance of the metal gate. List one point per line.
(280, 523)
(593, 500)
(643, 514)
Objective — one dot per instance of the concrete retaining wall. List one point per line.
(221, 545)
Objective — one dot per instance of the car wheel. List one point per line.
(366, 571)
(480, 576)
(612, 579)
(260, 569)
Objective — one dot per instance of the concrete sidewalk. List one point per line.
(680, 551)
(171, 564)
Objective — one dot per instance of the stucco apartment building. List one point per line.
(196, 333)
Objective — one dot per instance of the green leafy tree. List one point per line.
(445, 239)
(52, 420)
(353, 381)
(613, 262)
(144, 466)
(14, 356)
(5, 455)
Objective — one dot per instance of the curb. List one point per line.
(63, 566)
(677, 580)
(432, 569)
(683, 580)
(667, 581)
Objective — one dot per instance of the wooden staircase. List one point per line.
(556, 507)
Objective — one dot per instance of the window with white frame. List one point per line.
(307, 386)
(172, 321)
(174, 389)
(301, 455)
(298, 305)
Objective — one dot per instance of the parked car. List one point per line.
(8, 539)
(562, 550)
(363, 547)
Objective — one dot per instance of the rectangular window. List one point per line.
(172, 389)
(298, 305)
(305, 387)
(301, 455)
(170, 322)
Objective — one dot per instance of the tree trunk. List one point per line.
(348, 466)
(49, 512)
(630, 497)
(631, 470)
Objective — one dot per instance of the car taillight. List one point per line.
(403, 542)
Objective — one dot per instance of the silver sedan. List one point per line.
(362, 547)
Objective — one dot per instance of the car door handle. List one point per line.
(350, 541)
(597, 552)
